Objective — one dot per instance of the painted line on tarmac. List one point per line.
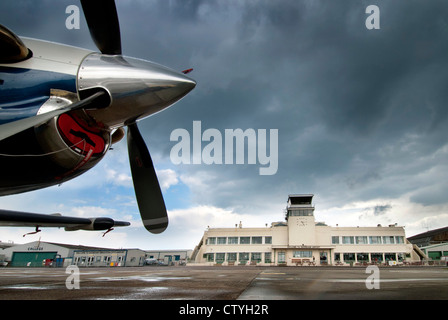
(354, 280)
(272, 273)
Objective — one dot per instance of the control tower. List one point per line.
(301, 222)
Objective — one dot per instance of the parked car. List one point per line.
(445, 259)
(154, 262)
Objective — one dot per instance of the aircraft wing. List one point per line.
(27, 219)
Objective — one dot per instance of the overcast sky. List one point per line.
(361, 114)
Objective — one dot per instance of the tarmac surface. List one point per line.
(246, 283)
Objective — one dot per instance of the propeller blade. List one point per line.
(104, 27)
(146, 185)
(12, 128)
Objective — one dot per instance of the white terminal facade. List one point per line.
(300, 240)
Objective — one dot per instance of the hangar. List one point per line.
(47, 254)
(432, 245)
(38, 254)
(437, 252)
(300, 240)
(431, 237)
(168, 257)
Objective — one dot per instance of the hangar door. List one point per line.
(435, 255)
(31, 259)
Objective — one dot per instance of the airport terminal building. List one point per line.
(300, 240)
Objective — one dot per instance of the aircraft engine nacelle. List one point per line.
(72, 140)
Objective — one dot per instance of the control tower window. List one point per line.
(300, 213)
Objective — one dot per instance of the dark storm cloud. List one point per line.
(356, 109)
(381, 209)
(361, 113)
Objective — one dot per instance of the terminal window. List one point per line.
(399, 239)
(257, 240)
(349, 257)
(390, 256)
(267, 257)
(362, 256)
(348, 240)
(244, 256)
(361, 240)
(302, 254)
(220, 257)
(388, 240)
(231, 256)
(256, 256)
(375, 239)
(376, 257)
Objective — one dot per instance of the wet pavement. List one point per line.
(195, 283)
(349, 284)
(148, 283)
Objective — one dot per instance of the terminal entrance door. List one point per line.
(281, 257)
(323, 257)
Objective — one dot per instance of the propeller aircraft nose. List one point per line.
(115, 91)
